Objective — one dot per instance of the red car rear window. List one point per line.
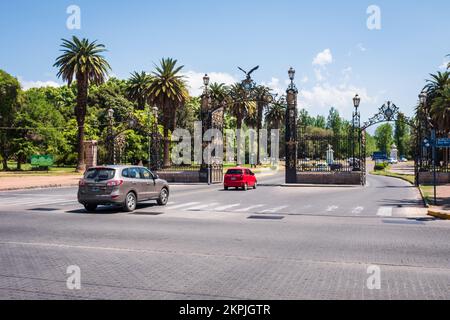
(234, 171)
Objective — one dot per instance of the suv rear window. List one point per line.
(234, 171)
(100, 174)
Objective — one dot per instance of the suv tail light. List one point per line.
(114, 183)
(82, 183)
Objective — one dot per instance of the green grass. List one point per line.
(428, 192)
(27, 170)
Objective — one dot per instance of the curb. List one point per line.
(425, 203)
(284, 185)
(439, 214)
(50, 186)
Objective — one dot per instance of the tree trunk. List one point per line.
(19, 163)
(166, 148)
(239, 120)
(258, 129)
(82, 86)
(5, 163)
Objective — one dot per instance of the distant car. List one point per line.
(403, 159)
(240, 178)
(392, 161)
(124, 186)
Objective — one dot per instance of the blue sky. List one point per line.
(217, 36)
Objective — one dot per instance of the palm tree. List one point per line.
(168, 92)
(275, 114)
(440, 109)
(262, 92)
(437, 106)
(218, 93)
(82, 60)
(138, 88)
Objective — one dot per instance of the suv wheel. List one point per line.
(90, 207)
(163, 197)
(130, 202)
(245, 187)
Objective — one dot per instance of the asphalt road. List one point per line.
(269, 243)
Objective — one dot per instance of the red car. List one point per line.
(240, 178)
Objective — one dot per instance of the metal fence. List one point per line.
(329, 153)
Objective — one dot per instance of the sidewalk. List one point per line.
(442, 210)
(37, 181)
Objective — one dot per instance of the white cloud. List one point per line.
(361, 47)
(323, 58)
(37, 84)
(321, 97)
(305, 79)
(320, 77)
(444, 64)
(347, 72)
(195, 80)
(275, 85)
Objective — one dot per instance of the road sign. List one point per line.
(42, 160)
(443, 143)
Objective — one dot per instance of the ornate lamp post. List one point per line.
(356, 124)
(111, 138)
(291, 130)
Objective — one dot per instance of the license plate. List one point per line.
(95, 189)
(233, 179)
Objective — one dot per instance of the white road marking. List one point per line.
(332, 208)
(358, 210)
(250, 208)
(204, 206)
(227, 207)
(274, 210)
(188, 204)
(385, 212)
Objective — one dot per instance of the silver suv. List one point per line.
(121, 185)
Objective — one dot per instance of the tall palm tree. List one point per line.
(437, 88)
(81, 60)
(168, 92)
(262, 92)
(275, 114)
(138, 88)
(239, 107)
(218, 93)
(440, 109)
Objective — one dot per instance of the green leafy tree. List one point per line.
(138, 88)
(82, 60)
(402, 135)
(168, 92)
(42, 125)
(320, 122)
(334, 121)
(384, 138)
(9, 103)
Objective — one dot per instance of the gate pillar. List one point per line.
(291, 131)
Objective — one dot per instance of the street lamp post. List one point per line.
(111, 144)
(356, 123)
